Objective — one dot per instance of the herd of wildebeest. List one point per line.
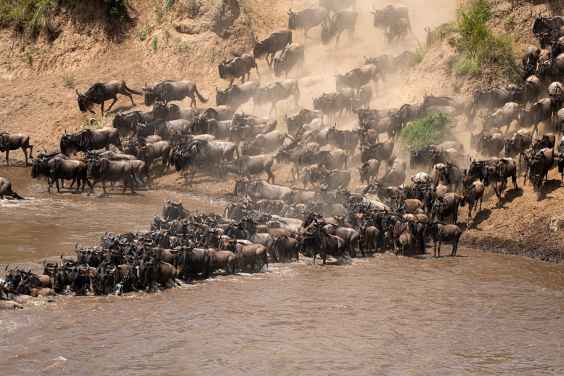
(269, 222)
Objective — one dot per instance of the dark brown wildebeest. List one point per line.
(149, 152)
(13, 142)
(381, 151)
(369, 170)
(62, 168)
(247, 133)
(439, 232)
(264, 143)
(90, 139)
(253, 255)
(332, 160)
(99, 93)
(472, 195)
(334, 179)
(6, 190)
(502, 117)
(291, 56)
(391, 125)
(201, 125)
(318, 241)
(271, 45)
(395, 175)
(409, 112)
(389, 15)
(193, 261)
(126, 123)
(551, 69)
(155, 270)
(547, 141)
(490, 146)
(246, 166)
(294, 123)
(220, 113)
(539, 164)
(277, 91)
(239, 66)
(529, 61)
(367, 137)
(397, 30)
(223, 260)
(540, 111)
(236, 95)
(306, 19)
(518, 143)
(341, 21)
(102, 170)
(499, 173)
(346, 140)
(356, 78)
(168, 91)
(334, 102)
(492, 98)
(475, 139)
(286, 247)
(528, 92)
(446, 206)
(168, 112)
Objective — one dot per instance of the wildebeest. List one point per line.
(260, 189)
(286, 247)
(149, 152)
(439, 232)
(271, 45)
(358, 77)
(277, 91)
(499, 173)
(169, 111)
(551, 69)
(128, 122)
(264, 143)
(236, 95)
(247, 133)
(99, 93)
(13, 142)
(529, 61)
(306, 19)
(518, 143)
(539, 164)
(540, 111)
(102, 170)
(395, 175)
(346, 140)
(68, 169)
(334, 102)
(363, 97)
(380, 151)
(294, 123)
(462, 105)
(290, 57)
(397, 30)
(90, 139)
(369, 170)
(472, 195)
(389, 15)
(246, 166)
(492, 98)
(547, 141)
(335, 159)
(490, 146)
(542, 24)
(242, 120)
(239, 66)
(446, 206)
(220, 113)
(320, 242)
(502, 117)
(341, 21)
(6, 190)
(201, 125)
(168, 91)
(200, 153)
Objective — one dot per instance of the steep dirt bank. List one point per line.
(39, 81)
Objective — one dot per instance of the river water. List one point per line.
(479, 313)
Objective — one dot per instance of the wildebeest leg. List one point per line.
(8, 158)
(130, 97)
(57, 183)
(361, 247)
(273, 107)
(104, 186)
(114, 101)
(231, 83)
(454, 246)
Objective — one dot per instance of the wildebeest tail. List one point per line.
(16, 196)
(234, 54)
(132, 91)
(202, 99)
(137, 180)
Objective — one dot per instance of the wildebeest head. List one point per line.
(149, 95)
(292, 20)
(508, 146)
(326, 34)
(379, 15)
(319, 103)
(257, 49)
(220, 97)
(83, 103)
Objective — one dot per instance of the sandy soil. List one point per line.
(38, 99)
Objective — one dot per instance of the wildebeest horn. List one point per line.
(374, 7)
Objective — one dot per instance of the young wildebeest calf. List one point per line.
(472, 195)
(439, 232)
(6, 190)
(15, 141)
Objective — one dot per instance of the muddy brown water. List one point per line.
(479, 313)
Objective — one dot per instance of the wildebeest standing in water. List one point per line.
(343, 20)
(6, 190)
(271, 45)
(90, 139)
(168, 91)
(102, 170)
(239, 66)
(306, 19)
(15, 141)
(99, 93)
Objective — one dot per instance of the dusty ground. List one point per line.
(39, 80)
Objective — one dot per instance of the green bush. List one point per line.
(432, 129)
(419, 53)
(479, 47)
